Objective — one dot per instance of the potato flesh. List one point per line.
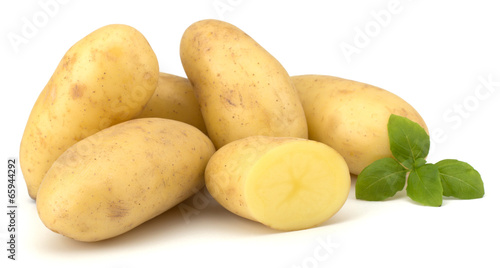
(286, 184)
(297, 186)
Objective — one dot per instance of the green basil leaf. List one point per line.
(424, 185)
(419, 162)
(408, 140)
(380, 180)
(460, 179)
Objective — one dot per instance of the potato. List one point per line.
(104, 79)
(285, 183)
(174, 99)
(241, 88)
(122, 176)
(351, 116)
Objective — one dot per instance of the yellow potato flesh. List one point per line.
(297, 186)
(284, 183)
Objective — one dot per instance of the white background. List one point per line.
(433, 54)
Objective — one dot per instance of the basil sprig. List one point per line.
(426, 183)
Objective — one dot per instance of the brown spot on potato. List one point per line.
(399, 111)
(117, 209)
(230, 102)
(344, 91)
(113, 53)
(77, 91)
(69, 61)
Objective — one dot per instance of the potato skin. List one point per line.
(174, 99)
(351, 116)
(225, 175)
(104, 79)
(286, 183)
(122, 176)
(241, 88)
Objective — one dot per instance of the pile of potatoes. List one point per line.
(112, 142)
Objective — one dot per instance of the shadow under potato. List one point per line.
(198, 217)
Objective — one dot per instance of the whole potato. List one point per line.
(122, 176)
(285, 183)
(351, 116)
(104, 79)
(174, 99)
(241, 88)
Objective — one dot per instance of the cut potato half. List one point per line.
(284, 183)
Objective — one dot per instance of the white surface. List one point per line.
(433, 55)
